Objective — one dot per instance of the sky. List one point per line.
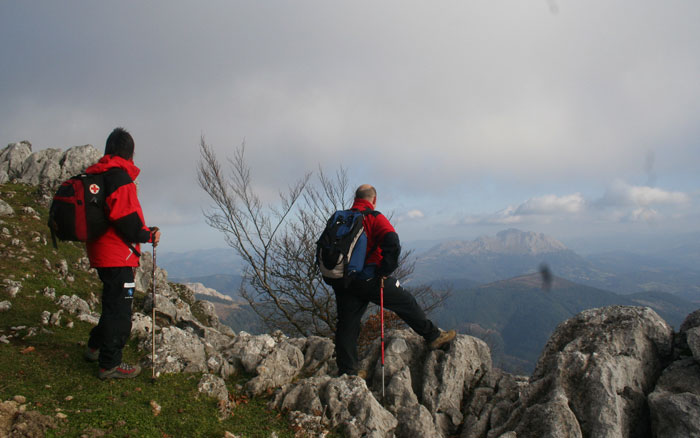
(575, 119)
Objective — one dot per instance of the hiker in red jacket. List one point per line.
(115, 255)
(383, 250)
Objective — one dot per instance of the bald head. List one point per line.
(365, 191)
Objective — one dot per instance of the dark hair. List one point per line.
(120, 143)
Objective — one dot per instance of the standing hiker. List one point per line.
(115, 255)
(353, 297)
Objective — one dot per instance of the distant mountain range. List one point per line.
(513, 253)
(517, 316)
(672, 268)
(201, 262)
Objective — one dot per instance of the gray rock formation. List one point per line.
(6, 209)
(12, 159)
(594, 375)
(47, 167)
(343, 401)
(675, 402)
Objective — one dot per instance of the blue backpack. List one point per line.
(342, 247)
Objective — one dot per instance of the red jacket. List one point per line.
(383, 248)
(123, 211)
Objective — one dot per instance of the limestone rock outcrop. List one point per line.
(47, 167)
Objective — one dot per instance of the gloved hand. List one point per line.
(155, 235)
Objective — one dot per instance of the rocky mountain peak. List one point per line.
(510, 241)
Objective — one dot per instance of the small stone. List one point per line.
(20, 399)
(61, 416)
(69, 398)
(155, 407)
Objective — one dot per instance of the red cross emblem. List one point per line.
(94, 189)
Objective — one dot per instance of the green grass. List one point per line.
(48, 368)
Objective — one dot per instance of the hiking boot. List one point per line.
(91, 354)
(123, 371)
(443, 339)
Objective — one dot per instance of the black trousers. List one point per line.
(113, 330)
(352, 302)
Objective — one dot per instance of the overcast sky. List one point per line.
(578, 119)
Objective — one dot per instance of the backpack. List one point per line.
(342, 247)
(77, 212)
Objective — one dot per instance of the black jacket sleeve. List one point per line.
(391, 250)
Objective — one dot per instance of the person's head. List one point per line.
(120, 143)
(368, 193)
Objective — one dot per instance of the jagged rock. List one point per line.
(488, 406)
(141, 325)
(217, 340)
(12, 158)
(279, 367)
(42, 167)
(593, 376)
(49, 167)
(449, 374)
(177, 350)
(12, 287)
(173, 309)
(344, 400)
(62, 267)
(76, 159)
(247, 351)
(318, 355)
(693, 340)
(29, 211)
(49, 292)
(83, 264)
(692, 320)
(5, 306)
(6, 210)
(675, 402)
(90, 318)
(4, 177)
(207, 313)
(55, 319)
(143, 277)
(73, 304)
(214, 387)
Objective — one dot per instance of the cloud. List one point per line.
(415, 214)
(621, 193)
(621, 203)
(552, 204)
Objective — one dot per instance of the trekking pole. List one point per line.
(153, 319)
(381, 318)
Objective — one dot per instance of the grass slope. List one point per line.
(48, 369)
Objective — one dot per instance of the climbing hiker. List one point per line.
(354, 294)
